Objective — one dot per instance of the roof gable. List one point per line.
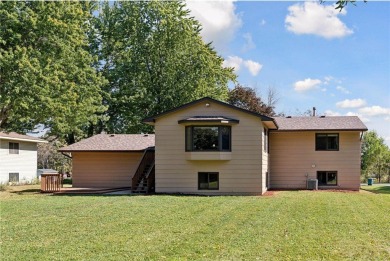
(153, 118)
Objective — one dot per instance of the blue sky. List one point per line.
(310, 53)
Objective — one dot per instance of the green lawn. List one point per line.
(290, 225)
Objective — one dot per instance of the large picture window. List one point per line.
(327, 141)
(208, 180)
(327, 178)
(13, 148)
(208, 138)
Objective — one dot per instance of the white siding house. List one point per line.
(18, 157)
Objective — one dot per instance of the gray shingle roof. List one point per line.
(19, 137)
(113, 142)
(342, 123)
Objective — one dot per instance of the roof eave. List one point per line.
(289, 130)
(151, 120)
(66, 150)
(21, 139)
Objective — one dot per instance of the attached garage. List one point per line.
(107, 160)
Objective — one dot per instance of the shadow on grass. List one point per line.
(377, 189)
(26, 191)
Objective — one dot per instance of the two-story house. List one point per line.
(210, 147)
(18, 157)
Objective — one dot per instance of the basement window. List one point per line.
(208, 180)
(327, 141)
(327, 178)
(13, 177)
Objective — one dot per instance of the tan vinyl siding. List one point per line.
(104, 169)
(241, 174)
(293, 159)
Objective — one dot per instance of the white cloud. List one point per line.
(306, 84)
(233, 61)
(253, 67)
(335, 113)
(374, 111)
(249, 44)
(262, 22)
(218, 18)
(318, 19)
(342, 89)
(354, 103)
(332, 113)
(364, 119)
(237, 62)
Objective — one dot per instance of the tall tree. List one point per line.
(246, 98)
(154, 58)
(375, 156)
(46, 73)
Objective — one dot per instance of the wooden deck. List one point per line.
(81, 191)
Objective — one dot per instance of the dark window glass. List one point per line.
(225, 136)
(327, 178)
(188, 138)
(208, 180)
(205, 138)
(208, 138)
(327, 141)
(13, 148)
(13, 177)
(265, 141)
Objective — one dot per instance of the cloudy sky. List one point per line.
(312, 54)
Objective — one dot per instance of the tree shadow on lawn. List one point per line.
(26, 191)
(377, 189)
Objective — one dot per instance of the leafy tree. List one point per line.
(46, 73)
(154, 58)
(50, 158)
(340, 4)
(246, 98)
(375, 156)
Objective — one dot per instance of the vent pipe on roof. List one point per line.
(314, 111)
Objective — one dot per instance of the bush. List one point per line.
(3, 186)
(67, 181)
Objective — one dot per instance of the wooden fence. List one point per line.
(50, 182)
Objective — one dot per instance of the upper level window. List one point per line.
(327, 141)
(13, 148)
(208, 138)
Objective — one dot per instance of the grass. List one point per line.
(377, 188)
(290, 225)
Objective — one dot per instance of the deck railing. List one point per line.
(51, 182)
(141, 172)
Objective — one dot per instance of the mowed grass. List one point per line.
(290, 225)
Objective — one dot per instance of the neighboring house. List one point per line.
(18, 157)
(210, 147)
